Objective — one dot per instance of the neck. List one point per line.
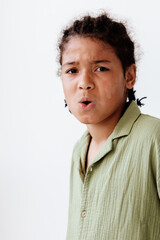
(101, 131)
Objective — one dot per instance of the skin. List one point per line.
(92, 71)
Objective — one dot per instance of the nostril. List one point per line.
(85, 86)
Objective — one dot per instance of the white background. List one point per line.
(37, 133)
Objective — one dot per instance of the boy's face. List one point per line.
(93, 80)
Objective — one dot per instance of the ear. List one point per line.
(130, 76)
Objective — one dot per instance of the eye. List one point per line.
(71, 71)
(102, 69)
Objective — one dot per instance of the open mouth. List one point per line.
(86, 102)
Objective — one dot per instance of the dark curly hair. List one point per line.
(109, 31)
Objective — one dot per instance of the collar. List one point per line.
(126, 122)
(123, 128)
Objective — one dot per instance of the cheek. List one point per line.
(68, 90)
(66, 87)
(113, 89)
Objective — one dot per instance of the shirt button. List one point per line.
(91, 169)
(84, 214)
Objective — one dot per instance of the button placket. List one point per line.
(83, 214)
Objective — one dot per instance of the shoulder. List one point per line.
(148, 126)
(147, 119)
(145, 136)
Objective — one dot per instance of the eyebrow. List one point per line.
(70, 63)
(101, 61)
(95, 62)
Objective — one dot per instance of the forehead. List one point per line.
(87, 47)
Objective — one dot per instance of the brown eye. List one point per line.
(71, 71)
(102, 69)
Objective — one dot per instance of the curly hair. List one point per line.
(107, 30)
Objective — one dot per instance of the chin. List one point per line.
(81, 119)
(86, 120)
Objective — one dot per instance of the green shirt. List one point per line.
(118, 198)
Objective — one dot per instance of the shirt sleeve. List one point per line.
(158, 169)
(156, 157)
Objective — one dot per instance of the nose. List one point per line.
(86, 81)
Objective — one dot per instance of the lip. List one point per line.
(84, 99)
(85, 107)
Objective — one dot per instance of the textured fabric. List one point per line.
(118, 198)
